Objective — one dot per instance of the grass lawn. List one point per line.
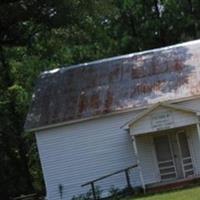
(184, 194)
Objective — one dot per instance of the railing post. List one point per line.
(128, 179)
(126, 171)
(93, 191)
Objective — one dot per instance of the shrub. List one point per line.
(89, 195)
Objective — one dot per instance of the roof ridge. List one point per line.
(99, 61)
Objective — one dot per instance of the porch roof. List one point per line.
(161, 116)
(154, 107)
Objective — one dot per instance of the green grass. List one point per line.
(184, 194)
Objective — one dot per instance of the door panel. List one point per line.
(176, 155)
(185, 155)
(184, 145)
(164, 157)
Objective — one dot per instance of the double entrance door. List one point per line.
(173, 156)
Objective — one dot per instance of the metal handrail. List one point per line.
(125, 170)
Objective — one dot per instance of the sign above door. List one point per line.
(162, 120)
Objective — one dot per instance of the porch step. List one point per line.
(174, 185)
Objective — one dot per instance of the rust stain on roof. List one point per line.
(115, 84)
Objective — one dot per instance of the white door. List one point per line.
(165, 158)
(187, 164)
(173, 156)
(176, 155)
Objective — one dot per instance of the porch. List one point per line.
(173, 184)
(166, 141)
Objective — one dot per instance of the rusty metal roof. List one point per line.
(115, 84)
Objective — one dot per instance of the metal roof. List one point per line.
(115, 84)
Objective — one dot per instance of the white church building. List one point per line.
(96, 118)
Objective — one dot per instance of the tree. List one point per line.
(38, 35)
(34, 37)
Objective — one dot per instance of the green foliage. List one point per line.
(115, 193)
(41, 35)
(89, 195)
(181, 194)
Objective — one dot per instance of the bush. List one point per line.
(89, 195)
(115, 193)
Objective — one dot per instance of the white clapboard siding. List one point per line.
(74, 154)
